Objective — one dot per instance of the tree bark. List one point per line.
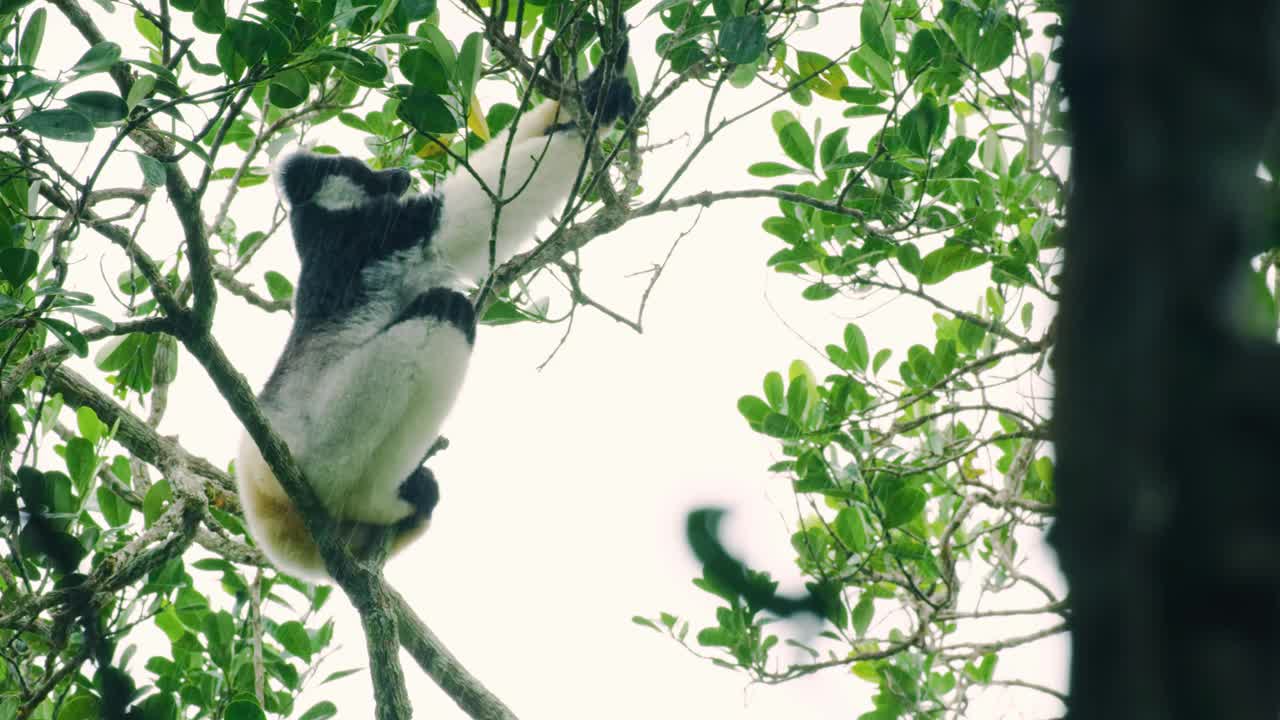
(1167, 417)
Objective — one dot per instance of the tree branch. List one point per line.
(135, 435)
(187, 204)
(441, 665)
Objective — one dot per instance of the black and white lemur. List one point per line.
(381, 335)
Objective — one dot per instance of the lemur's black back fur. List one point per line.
(336, 245)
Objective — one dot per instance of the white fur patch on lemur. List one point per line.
(339, 192)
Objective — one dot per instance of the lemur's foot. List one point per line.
(606, 92)
(421, 491)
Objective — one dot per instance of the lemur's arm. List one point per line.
(547, 146)
(468, 211)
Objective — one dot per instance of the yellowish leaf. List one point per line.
(476, 121)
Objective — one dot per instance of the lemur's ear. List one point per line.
(300, 176)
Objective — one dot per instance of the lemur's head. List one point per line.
(333, 182)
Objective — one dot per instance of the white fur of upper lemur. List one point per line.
(462, 240)
(465, 226)
(458, 251)
(339, 192)
(361, 403)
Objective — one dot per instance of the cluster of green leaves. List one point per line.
(890, 460)
(88, 512)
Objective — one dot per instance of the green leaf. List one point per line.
(32, 37)
(780, 426)
(773, 389)
(114, 509)
(147, 29)
(81, 461)
(28, 86)
(855, 345)
(98, 58)
(322, 710)
(862, 96)
(288, 89)
(152, 170)
(798, 398)
(825, 76)
(424, 70)
(160, 706)
(120, 468)
(785, 228)
(923, 53)
(90, 427)
(499, 117)
(18, 265)
(210, 16)
(645, 622)
(230, 61)
(219, 630)
(294, 638)
(878, 30)
(903, 506)
(153, 503)
(880, 359)
(877, 70)
(358, 65)
(994, 47)
(80, 707)
(244, 709)
(714, 637)
(741, 39)
(797, 144)
(983, 671)
(440, 44)
(67, 335)
(851, 529)
(923, 364)
(921, 125)
(909, 257)
(100, 107)
(339, 675)
(428, 114)
(141, 90)
(204, 68)
(770, 169)
(753, 408)
(279, 286)
(862, 613)
(970, 335)
(947, 261)
(59, 124)
(819, 291)
(470, 63)
(833, 148)
(172, 627)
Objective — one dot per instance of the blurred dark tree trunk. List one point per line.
(1167, 418)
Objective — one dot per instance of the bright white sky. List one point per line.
(564, 491)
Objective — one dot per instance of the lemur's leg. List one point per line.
(421, 491)
(397, 387)
(468, 210)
